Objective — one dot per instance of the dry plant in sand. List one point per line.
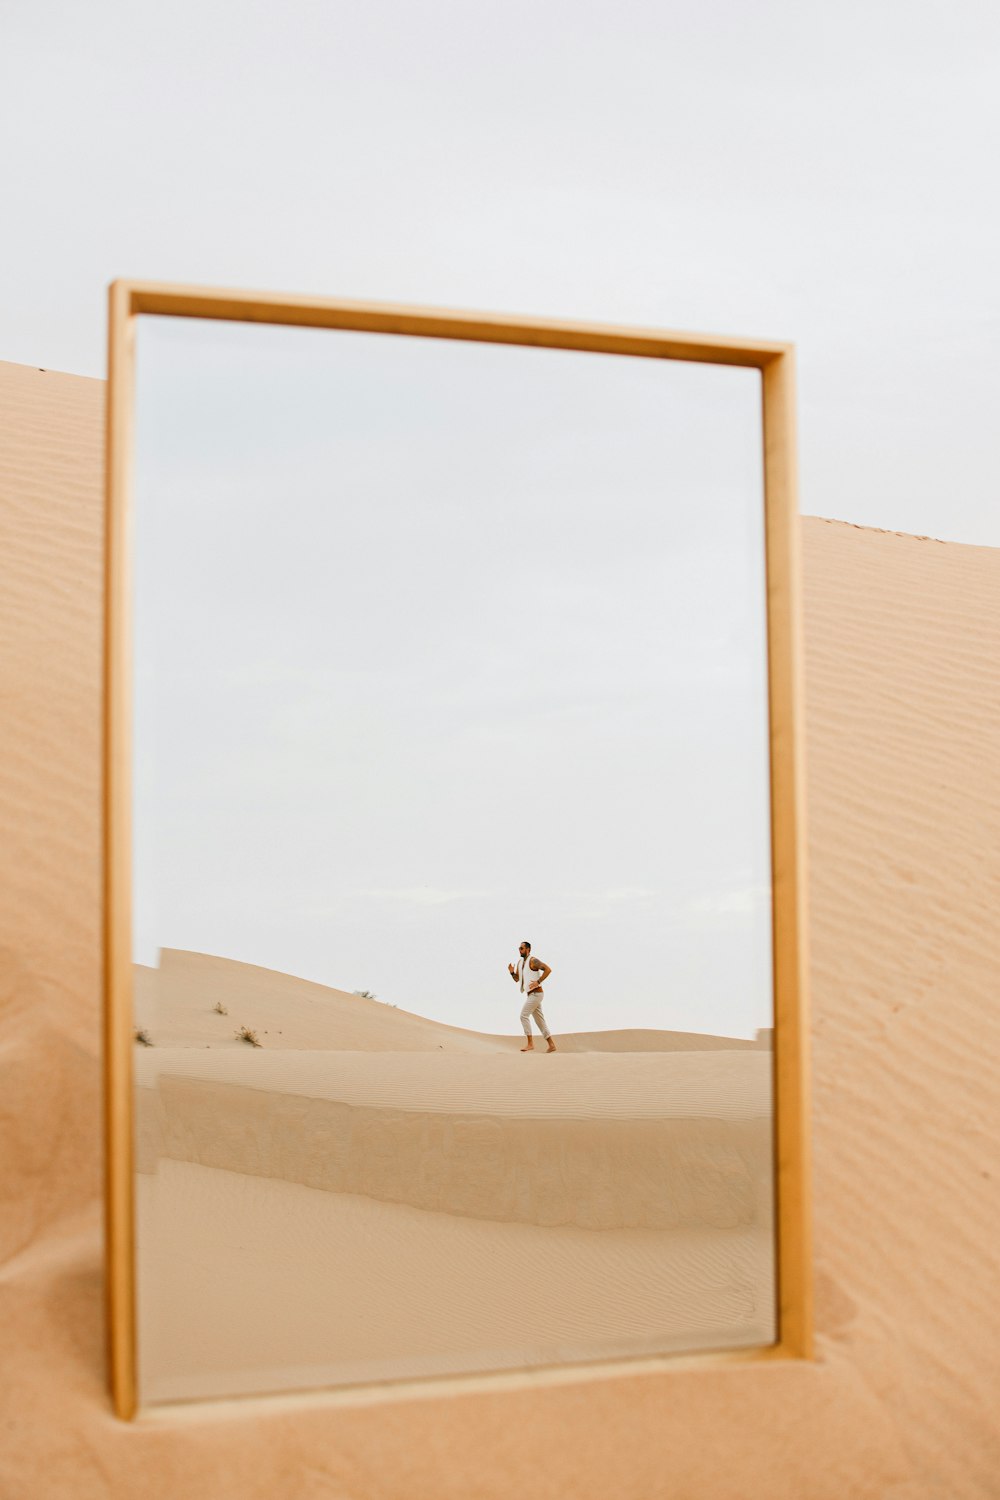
(371, 995)
(220, 1009)
(144, 1037)
(246, 1035)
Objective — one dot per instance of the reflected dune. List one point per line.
(458, 1206)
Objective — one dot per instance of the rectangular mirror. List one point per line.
(454, 982)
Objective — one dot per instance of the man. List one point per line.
(529, 975)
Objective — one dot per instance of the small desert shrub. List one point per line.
(246, 1035)
(144, 1037)
(371, 995)
(220, 1009)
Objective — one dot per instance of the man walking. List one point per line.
(529, 974)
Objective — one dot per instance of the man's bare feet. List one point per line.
(552, 1046)
(529, 1048)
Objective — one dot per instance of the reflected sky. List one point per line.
(442, 645)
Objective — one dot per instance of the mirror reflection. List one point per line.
(451, 906)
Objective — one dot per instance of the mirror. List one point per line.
(443, 648)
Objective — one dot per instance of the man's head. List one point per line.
(524, 949)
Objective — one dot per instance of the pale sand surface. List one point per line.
(590, 1150)
(176, 1001)
(284, 1286)
(626, 1085)
(903, 712)
(601, 1176)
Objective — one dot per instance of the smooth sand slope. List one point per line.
(177, 999)
(679, 1138)
(445, 1174)
(903, 713)
(349, 1287)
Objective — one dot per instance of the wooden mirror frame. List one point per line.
(775, 361)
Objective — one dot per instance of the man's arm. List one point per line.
(536, 965)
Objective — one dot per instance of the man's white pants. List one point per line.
(533, 1007)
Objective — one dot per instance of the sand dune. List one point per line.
(653, 1142)
(345, 1288)
(658, 1085)
(177, 999)
(903, 712)
(580, 1169)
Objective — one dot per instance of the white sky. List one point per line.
(824, 173)
(440, 646)
(821, 173)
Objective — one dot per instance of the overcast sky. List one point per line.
(440, 646)
(819, 173)
(824, 173)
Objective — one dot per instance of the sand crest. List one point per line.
(177, 999)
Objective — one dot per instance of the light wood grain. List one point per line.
(235, 305)
(129, 300)
(119, 1149)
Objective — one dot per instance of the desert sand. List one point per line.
(177, 999)
(458, 1206)
(903, 715)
